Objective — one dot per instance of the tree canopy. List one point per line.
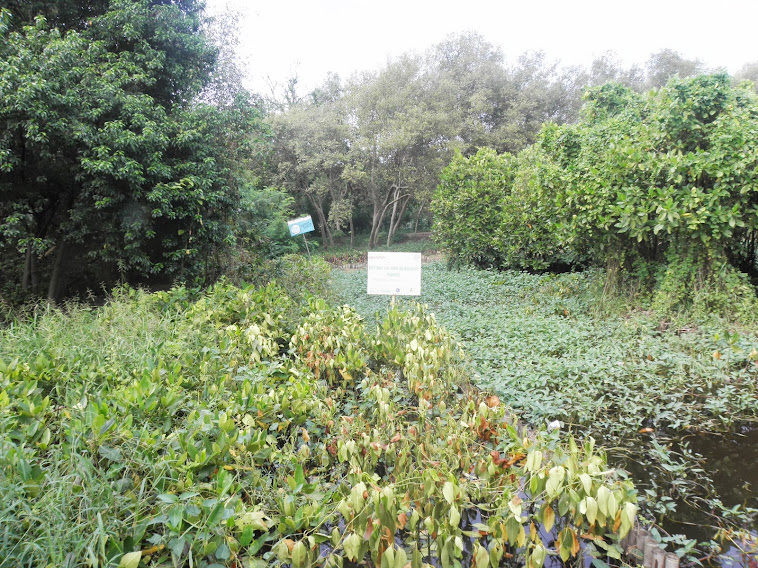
(109, 168)
(667, 177)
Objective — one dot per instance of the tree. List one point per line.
(311, 143)
(395, 137)
(607, 68)
(666, 64)
(748, 72)
(106, 163)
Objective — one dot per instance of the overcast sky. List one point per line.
(309, 38)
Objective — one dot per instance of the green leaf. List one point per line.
(299, 554)
(247, 536)
(448, 491)
(602, 499)
(300, 475)
(481, 556)
(586, 482)
(130, 559)
(112, 454)
(352, 546)
(455, 516)
(591, 510)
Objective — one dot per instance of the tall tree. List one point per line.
(106, 164)
(665, 64)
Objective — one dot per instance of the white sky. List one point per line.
(282, 38)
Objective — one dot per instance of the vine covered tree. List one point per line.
(664, 184)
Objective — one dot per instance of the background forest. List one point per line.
(128, 152)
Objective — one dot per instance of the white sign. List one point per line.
(394, 273)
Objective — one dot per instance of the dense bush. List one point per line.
(161, 431)
(669, 177)
(468, 207)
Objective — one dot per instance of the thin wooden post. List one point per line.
(306, 246)
(659, 557)
(648, 551)
(672, 560)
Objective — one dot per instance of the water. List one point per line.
(700, 470)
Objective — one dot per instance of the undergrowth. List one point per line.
(242, 427)
(554, 347)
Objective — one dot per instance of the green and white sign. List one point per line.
(394, 273)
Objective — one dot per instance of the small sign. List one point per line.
(394, 273)
(300, 225)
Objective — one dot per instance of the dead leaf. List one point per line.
(402, 519)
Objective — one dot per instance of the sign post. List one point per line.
(300, 226)
(394, 274)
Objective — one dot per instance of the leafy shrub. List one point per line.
(670, 177)
(140, 435)
(331, 343)
(468, 206)
(500, 212)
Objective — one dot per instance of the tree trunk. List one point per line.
(352, 231)
(378, 217)
(26, 279)
(52, 291)
(392, 216)
(326, 235)
(418, 216)
(394, 227)
(34, 274)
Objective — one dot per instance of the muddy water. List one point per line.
(729, 464)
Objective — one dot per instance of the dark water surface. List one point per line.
(725, 467)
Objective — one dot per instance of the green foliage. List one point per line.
(161, 430)
(263, 222)
(675, 169)
(667, 177)
(499, 211)
(329, 342)
(103, 160)
(300, 276)
(541, 344)
(468, 207)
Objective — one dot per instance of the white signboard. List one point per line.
(394, 273)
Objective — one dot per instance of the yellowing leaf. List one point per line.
(548, 518)
(575, 544)
(521, 539)
(130, 559)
